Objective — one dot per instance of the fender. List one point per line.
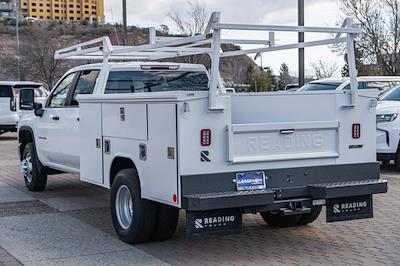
(21, 129)
(131, 159)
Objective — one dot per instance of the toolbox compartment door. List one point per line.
(260, 142)
(160, 170)
(91, 148)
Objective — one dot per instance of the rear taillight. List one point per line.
(205, 137)
(356, 131)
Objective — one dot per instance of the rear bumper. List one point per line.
(260, 198)
(217, 191)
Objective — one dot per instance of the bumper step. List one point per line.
(224, 200)
(238, 199)
(347, 189)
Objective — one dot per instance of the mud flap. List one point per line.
(203, 224)
(349, 208)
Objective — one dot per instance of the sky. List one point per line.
(146, 13)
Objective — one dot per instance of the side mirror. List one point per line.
(26, 99)
(38, 109)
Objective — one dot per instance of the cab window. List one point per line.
(155, 81)
(60, 94)
(85, 84)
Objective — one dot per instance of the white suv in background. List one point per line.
(388, 127)
(382, 83)
(9, 91)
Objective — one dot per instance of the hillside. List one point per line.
(36, 37)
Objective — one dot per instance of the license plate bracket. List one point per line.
(349, 208)
(250, 181)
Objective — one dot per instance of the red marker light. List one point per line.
(356, 132)
(174, 197)
(205, 137)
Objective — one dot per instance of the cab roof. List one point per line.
(138, 66)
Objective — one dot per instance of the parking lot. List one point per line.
(69, 224)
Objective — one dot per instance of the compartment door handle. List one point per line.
(287, 131)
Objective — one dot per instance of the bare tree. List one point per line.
(37, 56)
(380, 39)
(194, 22)
(323, 69)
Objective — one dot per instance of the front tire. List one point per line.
(133, 217)
(34, 173)
(278, 219)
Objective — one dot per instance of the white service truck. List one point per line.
(166, 136)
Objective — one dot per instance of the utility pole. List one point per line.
(301, 39)
(125, 39)
(16, 5)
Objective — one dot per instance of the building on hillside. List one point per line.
(6, 9)
(66, 10)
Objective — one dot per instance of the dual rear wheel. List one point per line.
(138, 220)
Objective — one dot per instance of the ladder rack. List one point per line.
(210, 43)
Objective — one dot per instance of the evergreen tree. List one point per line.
(285, 78)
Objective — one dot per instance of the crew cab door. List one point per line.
(59, 127)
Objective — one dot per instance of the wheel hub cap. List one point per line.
(124, 207)
(26, 167)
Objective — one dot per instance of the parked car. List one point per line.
(382, 83)
(292, 87)
(388, 127)
(9, 91)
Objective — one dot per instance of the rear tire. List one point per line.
(35, 175)
(308, 218)
(166, 222)
(133, 217)
(280, 220)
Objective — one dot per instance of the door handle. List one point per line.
(54, 117)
